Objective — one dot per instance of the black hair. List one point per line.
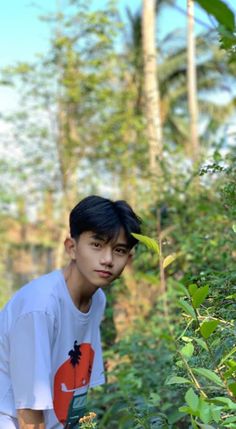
(104, 217)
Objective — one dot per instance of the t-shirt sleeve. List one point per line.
(31, 340)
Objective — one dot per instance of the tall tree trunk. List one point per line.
(65, 136)
(192, 84)
(151, 89)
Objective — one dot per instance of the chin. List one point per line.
(105, 284)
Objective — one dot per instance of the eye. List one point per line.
(96, 244)
(121, 251)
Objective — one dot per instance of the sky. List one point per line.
(23, 35)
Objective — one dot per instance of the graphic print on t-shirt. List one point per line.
(71, 384)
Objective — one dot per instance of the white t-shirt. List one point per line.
(50, 352)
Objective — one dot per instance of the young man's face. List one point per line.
(100, 262)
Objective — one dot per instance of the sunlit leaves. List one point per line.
(201, 343)
(226, 401)
(210, 375)
(199, 296)
(192, 289)
(169, 259)
(187, 350)
(232, 388)
(199, 407)
(176, 380)
(187, 308)
(233, 351)
(150, 243)
(192, 399)
(208, 327)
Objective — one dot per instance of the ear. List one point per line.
(70, 247)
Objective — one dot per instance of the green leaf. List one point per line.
(169, 259)
(216, 412)
(232, 388)
(229, 373)
(204, 411)
(194, 425)
(192, 289)
(187, 308)
(233, 296)
(217, 156)
(174, 417)
(186, 339)
(227, 39)
(179, 363)
(176, 380)
(205, 426)
(150, 243)
(234, 227)
(154, 398)
(182, 289)
(230, 404)
(230, 420)
(210, 375)
(185, 409)
(231, 363)
(187, 350)
(192, 399)
(208, 327)
(201, 343)
(228, 355)
(200, 295)
(222, 13)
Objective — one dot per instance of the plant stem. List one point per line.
(166, 313)
(216, 367)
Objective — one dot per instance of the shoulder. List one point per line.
(99, 303)
(39, 295)
(100, 297)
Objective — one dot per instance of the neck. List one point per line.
(81, 294)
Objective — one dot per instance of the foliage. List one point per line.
(226, 24)
(175, 367)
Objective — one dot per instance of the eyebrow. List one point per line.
(122, 245)
(102, 238)
(98, 237)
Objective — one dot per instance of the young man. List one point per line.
(50, 350)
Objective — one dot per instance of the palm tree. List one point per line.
(212, 75)
(151, 87)
(172, 73)
(192, 83)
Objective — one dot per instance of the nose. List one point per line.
(106, 257)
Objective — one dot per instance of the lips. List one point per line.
(104, 274)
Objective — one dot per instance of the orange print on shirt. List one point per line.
(73, 374)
